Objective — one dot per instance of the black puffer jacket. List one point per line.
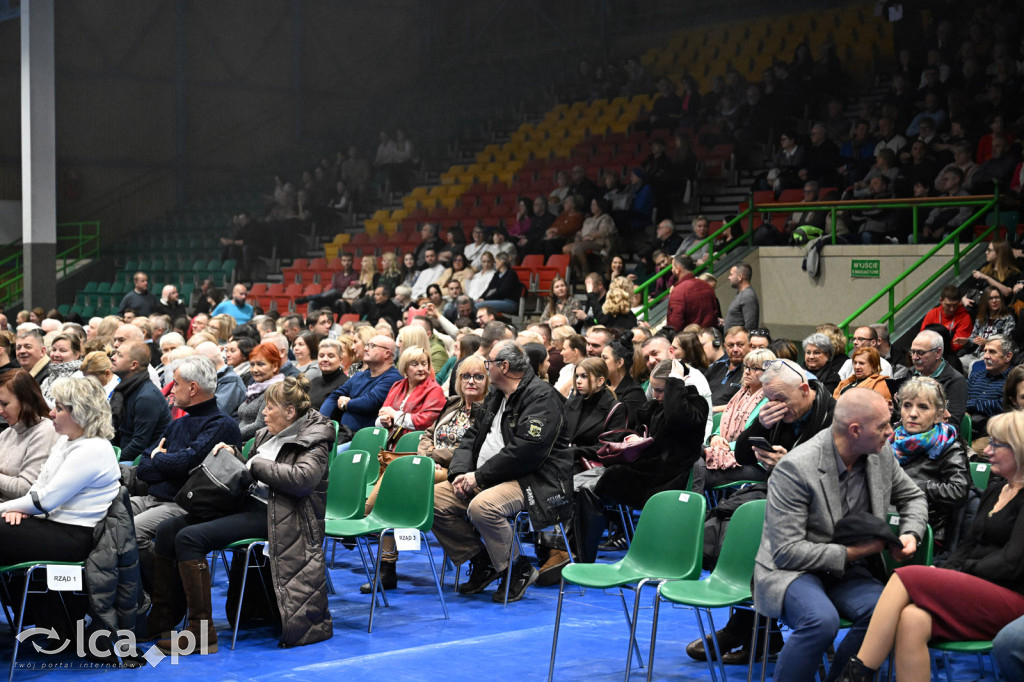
(535, 453)
(112, 569)
(945, 483)
(295, 528)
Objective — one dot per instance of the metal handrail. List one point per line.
(80, 241)
(708, 265)
(986, 202)
(954, 262)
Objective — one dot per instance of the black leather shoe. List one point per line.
(855, 671)
(388, 578)
(523, 575)
(727, 641)
(481, 575)
(742, 656)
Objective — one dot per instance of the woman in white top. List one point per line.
(481, 281)
(54, 520)
(501, 244)
(477, 248)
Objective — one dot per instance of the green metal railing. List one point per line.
(714, 254)
(75, 243)
(989, 202)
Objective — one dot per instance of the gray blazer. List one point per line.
(803, 507)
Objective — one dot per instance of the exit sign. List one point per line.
(866, 268)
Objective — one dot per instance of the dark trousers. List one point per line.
(36, 539)
(187, 539)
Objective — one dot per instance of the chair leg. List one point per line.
(565, 539)
(512, 553)
(330, 581)
(375, 581)
(625, 610)
(558, 621)
(437, 583)
(366, 569)
(764, 650)
(714, 641)
(241, 594)
(654, 638)
(21, 622)
(632, 629)
(753, 648)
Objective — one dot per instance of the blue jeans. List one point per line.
(812, 608)
(1008, 650)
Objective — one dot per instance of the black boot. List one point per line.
(388, 578)
(855, 671)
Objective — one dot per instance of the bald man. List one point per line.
(139, 410)
(230, 387)
(801, 574)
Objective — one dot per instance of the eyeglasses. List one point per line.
(862, 338)
(993, 443)
(916, 352)
(761, 332)
(371, 346)
(774, 364)
(749, 368)
(478, 378)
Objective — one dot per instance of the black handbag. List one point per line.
(215, 487)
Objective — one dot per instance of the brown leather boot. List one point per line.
(195, 578)
(167, 598)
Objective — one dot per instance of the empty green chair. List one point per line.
(91, 287)
(668, 545)
(101, 288)
(728, 584)
(980, 473)
(410, 442)
(346, 489)
(371, 439)
(405, 501)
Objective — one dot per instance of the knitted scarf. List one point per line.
(933, 442)
(256, 388)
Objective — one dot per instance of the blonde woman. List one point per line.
(98, 366)
(390, 274)
(221, 327)
(616, 313)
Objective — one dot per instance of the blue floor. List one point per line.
(412, 640)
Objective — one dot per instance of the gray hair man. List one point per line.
(926, 353)
(183, 446)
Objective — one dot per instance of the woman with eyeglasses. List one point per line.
(440, 440)
(719, 465)
(818, 353)
(978, 591)
(994, 317)
(867, 367)
(930, 452)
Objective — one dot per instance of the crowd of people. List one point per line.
(513, 419)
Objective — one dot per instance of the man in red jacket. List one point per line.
(692, 300)
(951, 315)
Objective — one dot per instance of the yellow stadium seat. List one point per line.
(371, 227)
(330, 251)
(399, 214)
(382, 214)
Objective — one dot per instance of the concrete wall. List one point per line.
(792, 303)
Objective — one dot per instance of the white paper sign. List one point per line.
(982, 467)
(64, 578)
(416, 460)
(356, 457)
(407, 539)
(684, 497)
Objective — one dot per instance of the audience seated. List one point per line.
(288, 462)
(985, 571)
(986, 381)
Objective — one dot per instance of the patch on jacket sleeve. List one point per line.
(535, 428)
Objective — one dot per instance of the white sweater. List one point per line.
(76, 484)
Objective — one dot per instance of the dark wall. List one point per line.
(250, 75)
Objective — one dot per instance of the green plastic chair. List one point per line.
(346, 489)
(979, 648)
(27, 569)
(716, 420)
(410, 442)
(728, 584)
(117, 453)
(334, 444)
(925, 549)
(249, 545)
(980, 473)
(405, 501)
(247, 448)
(372, 439)
(965, 429)
(668, 545)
